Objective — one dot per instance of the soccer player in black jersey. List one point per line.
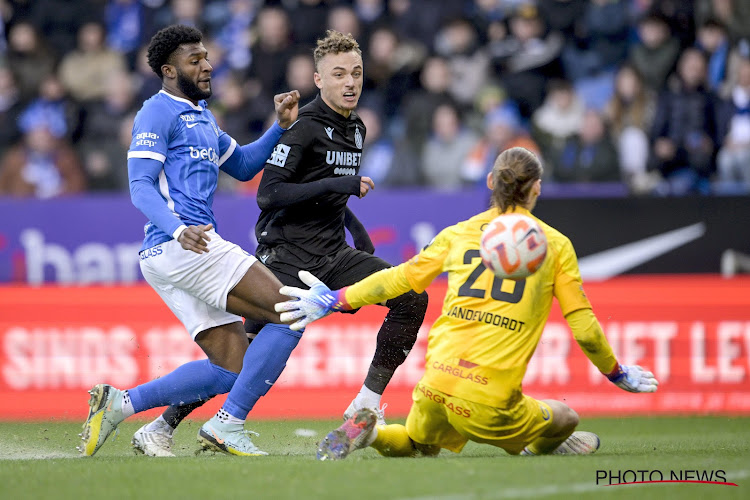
(306, 184)
(303, 197)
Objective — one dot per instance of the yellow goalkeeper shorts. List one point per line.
(438, 419)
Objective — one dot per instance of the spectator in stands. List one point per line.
(680, 15)
(241, 111)
(10, 108)
(125, 22)
(655, 53)
(235, 34)
(272, 49)
(630, 113)
(563, 16)
(61, 20)
(54, 102)
(447, 149)
(712, 38)
(299, 75)
(733, 161)
(84, 72)
(734, 14)
(391, 69)
(100, 146)
(378, 154)
(600, 42)
(420, 104)
(559, 118)
(684, 133)
(43, 164)
(419, 20)
(143, 77)
(502, 130)
(468, 60)
(29, 58)
(343, 19)
(589, 156)
(527, 58)
(308, 20)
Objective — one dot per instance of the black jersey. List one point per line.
(322, 151)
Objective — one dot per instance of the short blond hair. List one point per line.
(335, 42)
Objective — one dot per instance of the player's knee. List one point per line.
(570, 419)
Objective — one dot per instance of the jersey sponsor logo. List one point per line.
(187, 118)
(279, 155)
(358, 138)
(439, 399)
(146, 139)
(457, 371)
(344, 171)
(329, 132)
(343, 159)
(209, 154)
(151, 252)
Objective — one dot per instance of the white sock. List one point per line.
(367, 399)
(127, 405)
(160, 425)
(226, 418)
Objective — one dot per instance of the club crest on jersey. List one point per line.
(358, 138)
(279, 155)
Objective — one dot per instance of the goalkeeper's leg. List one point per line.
(559, 437)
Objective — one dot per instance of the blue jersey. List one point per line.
(190, 148)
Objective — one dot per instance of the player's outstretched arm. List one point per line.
(590, 337)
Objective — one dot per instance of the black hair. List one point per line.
(166, 41)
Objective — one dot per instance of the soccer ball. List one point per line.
(513, 246)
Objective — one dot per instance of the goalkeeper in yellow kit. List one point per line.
(480, 346)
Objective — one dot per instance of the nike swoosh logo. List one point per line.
(269, 382)
(217, 438)
(614, 261)
(191, 125)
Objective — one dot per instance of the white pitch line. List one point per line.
(544, 491)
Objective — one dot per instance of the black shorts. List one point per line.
(337, 270)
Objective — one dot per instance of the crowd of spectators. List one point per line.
(628, 97)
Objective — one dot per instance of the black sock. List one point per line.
(396, 338)
(176, 414)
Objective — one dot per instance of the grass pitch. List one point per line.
(39, 461)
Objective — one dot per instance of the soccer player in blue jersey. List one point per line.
(209, 283)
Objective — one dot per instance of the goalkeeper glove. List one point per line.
(633, 378)
(307, 306)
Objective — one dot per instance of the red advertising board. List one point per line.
(692, 331)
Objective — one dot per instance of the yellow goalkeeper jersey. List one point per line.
(480, 346)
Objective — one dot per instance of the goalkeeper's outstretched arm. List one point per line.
(588, 333)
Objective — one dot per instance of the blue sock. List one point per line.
(194, 381)
(264, 361)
